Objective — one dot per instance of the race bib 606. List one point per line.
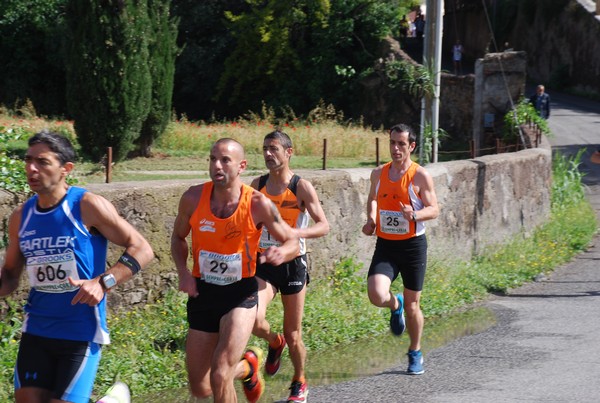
(50, 273)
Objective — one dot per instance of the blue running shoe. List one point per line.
(397, 322)
(415, 363)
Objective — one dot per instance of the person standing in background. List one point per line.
(457, 52)
(541, 102)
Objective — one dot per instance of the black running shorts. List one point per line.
(65, 367)
(205, 311)
(407, 258)
(288, 278)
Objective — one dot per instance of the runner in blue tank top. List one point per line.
(59, 238)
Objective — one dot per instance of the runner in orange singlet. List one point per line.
(296, 200)
(401, 197)
(225, 218)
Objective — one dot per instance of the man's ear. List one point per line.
(68, 168)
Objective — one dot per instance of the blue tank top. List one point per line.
(56, 245)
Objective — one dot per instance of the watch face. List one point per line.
(109, 281)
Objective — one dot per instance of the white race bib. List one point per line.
(219, 269)
(50, 273)
(266, 240)
(393, 222)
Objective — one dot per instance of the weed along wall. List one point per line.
(483, 202)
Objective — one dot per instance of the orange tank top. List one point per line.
(391, 224)
(224, 249)
(287, 205)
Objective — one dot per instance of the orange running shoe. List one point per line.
(254, 385)
(274, 358)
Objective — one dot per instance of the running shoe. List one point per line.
(274, 358)
(397, 322)
(415, 362)
(254, 385)
(298, 392)
(118, 393)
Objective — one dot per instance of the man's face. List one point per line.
(226, 163)
(400, 148)
(540, 90)
(44, 170)
(275, 155)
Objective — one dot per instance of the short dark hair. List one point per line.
(57, 143)
(401, 127)
(283, 138)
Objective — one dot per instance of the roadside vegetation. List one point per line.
(147, 349)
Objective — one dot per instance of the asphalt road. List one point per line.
(545, 346)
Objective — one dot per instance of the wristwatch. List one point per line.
(108, 281)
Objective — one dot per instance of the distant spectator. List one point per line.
(457, 51)
(404, 27)
(420, 26)
(596, 156)
(541, 102)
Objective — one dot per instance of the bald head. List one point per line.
(232, 145)
(227, 162)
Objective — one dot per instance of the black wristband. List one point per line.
(130, 262)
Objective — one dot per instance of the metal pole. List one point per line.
(425, 105)
(432, 60)
(437, 75)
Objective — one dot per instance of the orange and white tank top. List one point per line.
(390, 222)
(224, 249)
(287, 204)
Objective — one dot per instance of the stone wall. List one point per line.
(483, 202)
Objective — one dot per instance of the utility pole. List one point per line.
(432, 60)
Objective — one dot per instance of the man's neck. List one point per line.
(224, 200)
(280, 176)
(51, 199)
(401, 166)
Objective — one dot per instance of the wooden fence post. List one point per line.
(376, 151)
(108, 164)
(324, 154)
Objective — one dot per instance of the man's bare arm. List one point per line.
(308, 197)
(369, 227)
(14, 260)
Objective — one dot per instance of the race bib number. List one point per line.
(266, 240)
(50, 273)
(393, 222)
(219, 269)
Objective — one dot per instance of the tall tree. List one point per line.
(108, 74)
(162, 54)
(295, 54)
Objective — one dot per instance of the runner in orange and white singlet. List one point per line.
(297, 201)
(225, 219)
(401, 197)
